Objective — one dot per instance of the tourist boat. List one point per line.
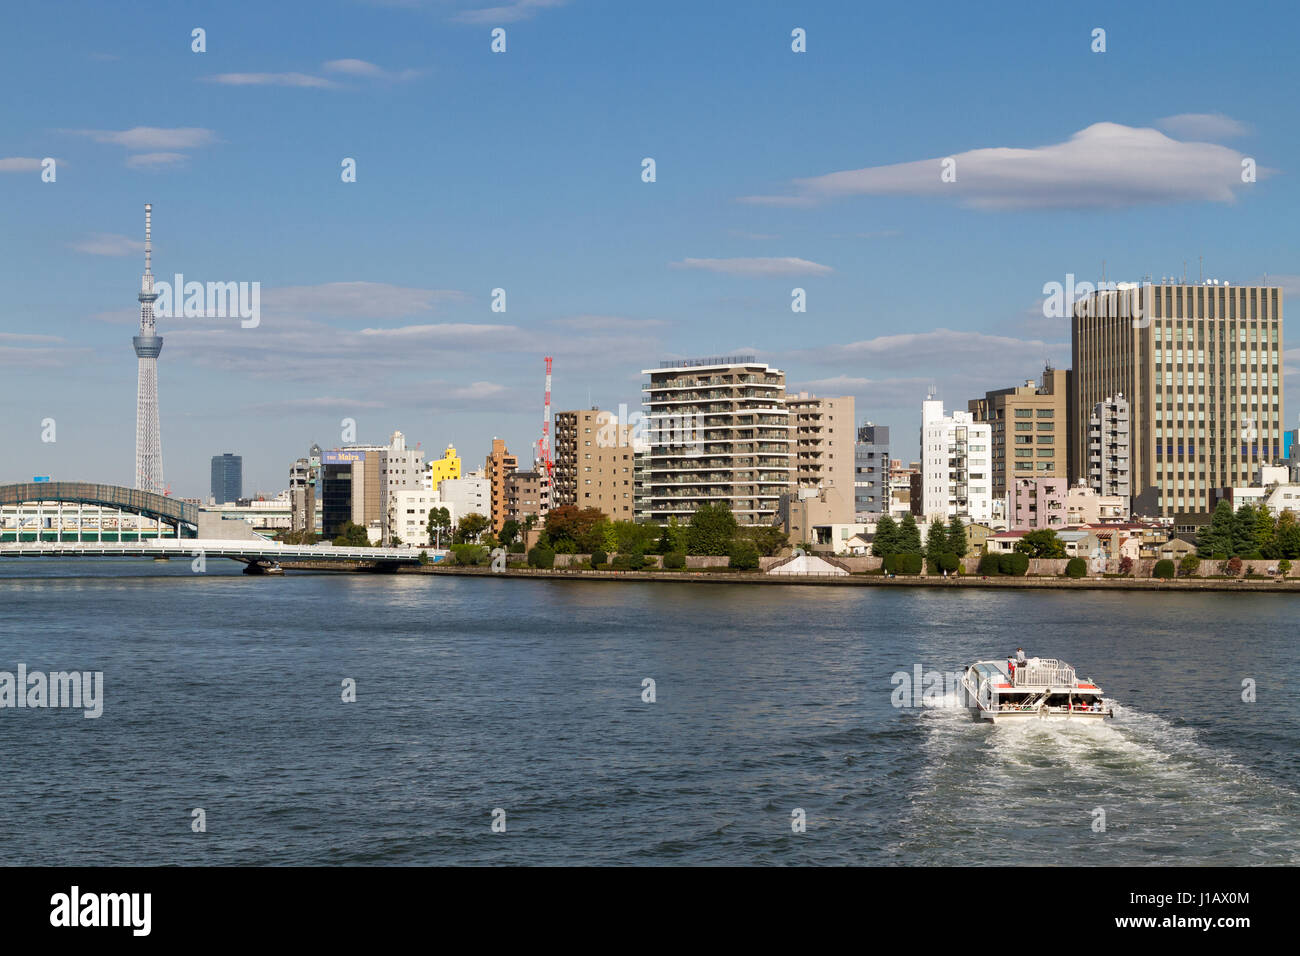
(1039, 688)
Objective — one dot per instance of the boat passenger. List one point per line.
(1020, 655)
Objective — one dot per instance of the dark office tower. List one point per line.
(227, 478)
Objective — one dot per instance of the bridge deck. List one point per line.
(209, 547)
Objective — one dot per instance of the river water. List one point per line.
(224, 692)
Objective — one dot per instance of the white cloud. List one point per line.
(508, 12)
(606, 323)
(108, 244)
(359, 300)
(1106, 165)
(153, 137)
(154, 160)
(757, 267)
(20, 164)
(301, 80)
(1203, 126)
(993, 357)
(362, 68)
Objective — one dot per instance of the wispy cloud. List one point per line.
(302, 80)
(21, 164)
(153, 137)
(108, 244)
(1205, 126)
(507, 12)
(362, 68)
(757, 267)
(358, 300)
(1106, 165)
(155, 160)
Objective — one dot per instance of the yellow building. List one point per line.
(440, 469)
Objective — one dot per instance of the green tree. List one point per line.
(936, 541)
(672, 539)
(767, 539)
(569, 526)
(958, 543)
(509, 533)
(438, 525)
(1243, 531)
(885, 542)
(630, 536)
(470, 527)
(1215, 538)
(743, 554)
(1188, 566)
(711, 531)
(1287, 535)
(1265, 529)
(909, 535)
(352, 536)
(1042, 543)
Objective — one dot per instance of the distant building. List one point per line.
(304, 479)
(469, 494)
(956, 465)
(497, 467)
(1201, 368)
(227, 478)
(719, 434)
(440, 469)
(1028, 430)
(1108, 447)
(595, 463)
(871, 467)
(527, 494)
(409, 515)
(823, 431)
(1038, 503)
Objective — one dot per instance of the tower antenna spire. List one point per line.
(148, 344)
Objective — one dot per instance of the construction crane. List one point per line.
(544, 446)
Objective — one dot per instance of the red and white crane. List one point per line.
(545, 445)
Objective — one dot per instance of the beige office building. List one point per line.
(1201, 367)
(595, 463)
(824, 434)
(527, 493)
(1030, 433)
(719, 431)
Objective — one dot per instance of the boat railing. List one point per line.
(1044, 673)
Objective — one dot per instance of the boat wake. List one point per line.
(1134, 790)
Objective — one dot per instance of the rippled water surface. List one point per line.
(223, 692)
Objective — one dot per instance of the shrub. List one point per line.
(541, 557)
(634, 561)
(1232, 567)
(1125, 565)
(907, 563)
(675, 560)
(1164, 569)
(1283, 567)
(470, 554)
(1076, 568)
(949, 562)
(598, 558)
(1188, 566)
(424, 557)
(989, 565)
(744, 555)
(1016, 563)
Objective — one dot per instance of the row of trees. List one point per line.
(1249, 533)
(904, 537)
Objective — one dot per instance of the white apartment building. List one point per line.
(409, 515)
(469, 494)
(956, 465)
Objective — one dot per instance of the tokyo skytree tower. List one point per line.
(148, 436)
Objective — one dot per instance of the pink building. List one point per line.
(1038, 503)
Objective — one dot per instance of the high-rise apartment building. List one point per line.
(824, 449)
(871, 467)
(1029, 428)
(400, 469)
(595, 463)
(227, 478)
(1200, 366)
(719, 432)
(1108, 447)
(956, 465)
(304, 478)
(498, 466)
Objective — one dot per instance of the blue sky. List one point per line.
(522, 170)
